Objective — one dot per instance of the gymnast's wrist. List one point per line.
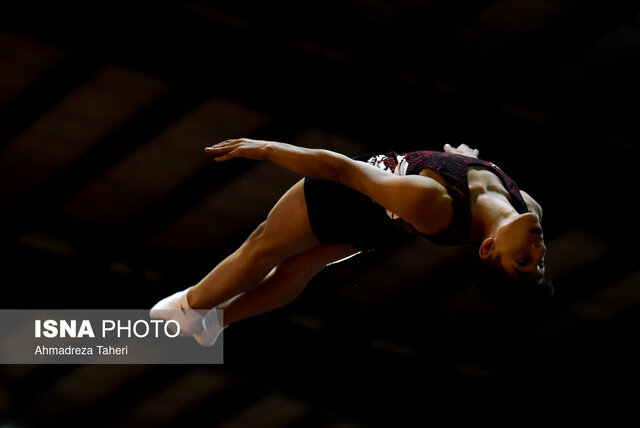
(270, 150)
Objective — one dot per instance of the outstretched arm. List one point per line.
(414, 198)
(304, 161)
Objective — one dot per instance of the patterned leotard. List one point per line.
(453, 169)
(339, 214)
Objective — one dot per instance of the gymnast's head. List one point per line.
(516, 247)
(512, 256)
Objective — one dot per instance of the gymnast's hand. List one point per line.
(462, 149)
(240, 147)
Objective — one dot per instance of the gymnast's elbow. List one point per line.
(344, 170)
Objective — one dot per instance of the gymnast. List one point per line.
(345, 206)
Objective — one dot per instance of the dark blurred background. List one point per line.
(108, 201)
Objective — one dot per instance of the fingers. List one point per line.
(223, 151)
(240, 147)
(229, 144)
(469, 150)
(226, 144)
(462, 149)
(221, 154)
(237, 147)
(219, 151)
(465, 147)
(229, 155)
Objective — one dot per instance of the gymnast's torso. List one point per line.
(342, 215)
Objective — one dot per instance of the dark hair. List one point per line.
(508, 293)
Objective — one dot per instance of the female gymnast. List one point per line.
(344, 206)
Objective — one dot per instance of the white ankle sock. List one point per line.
(176, 307)
(211, 328)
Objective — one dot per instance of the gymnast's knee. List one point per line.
(257, 232)
(259, 250)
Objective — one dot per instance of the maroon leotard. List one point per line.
(453, 169)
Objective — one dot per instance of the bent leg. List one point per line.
(284, 283)
(285, 233)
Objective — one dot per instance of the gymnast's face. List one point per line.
(518, 248)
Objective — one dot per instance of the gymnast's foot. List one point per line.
(176, 307)
(211, 328)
